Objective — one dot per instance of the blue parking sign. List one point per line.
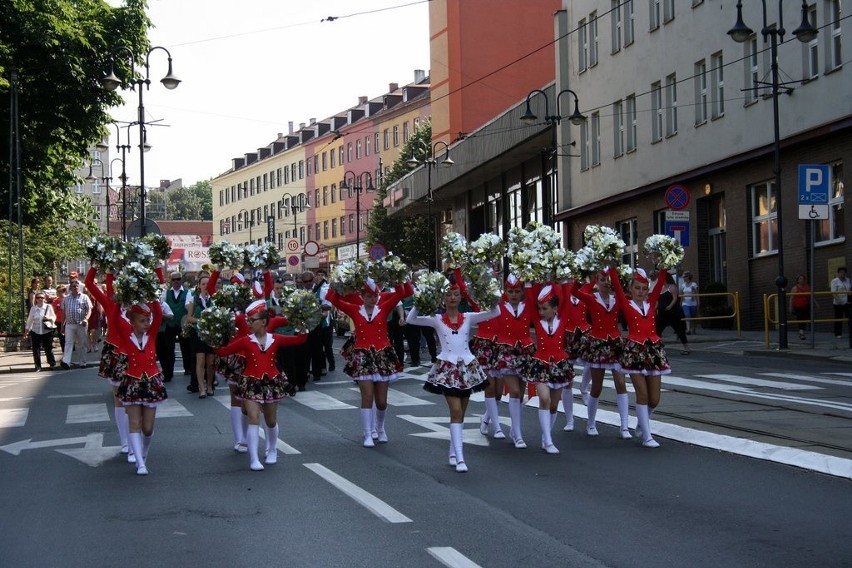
(814, 184)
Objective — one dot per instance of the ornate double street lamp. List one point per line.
(355, 182)
(291, 204)
(104, 178)
(805, 33)
(140, 82)
(553, 120)
(430, 162)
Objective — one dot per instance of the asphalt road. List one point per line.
(70, 500)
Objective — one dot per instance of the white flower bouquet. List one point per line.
(224, 253)
(586, 263)
(159, 244)
(137, 284)
(216, 326)
(263, 256)
(531, 252)
(302, 309)
(625, 274)
(454, 250)
(232, 296)
(488, 249)
(105, 253)
(664, 250)
(606, 244)
(142, 253)
(562, 261)
(482, 286)
(349, 276)
(389, 270)
(431, 288)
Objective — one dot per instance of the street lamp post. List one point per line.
(553, 120)
(804, 33)
(294, 207)
(431, 162)
(105, 178)
(111, 82)
(249, 221)
(123, 148)
(356, 184)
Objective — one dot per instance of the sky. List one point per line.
(248, 67)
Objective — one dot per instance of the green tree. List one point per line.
(59, 50)
(191, 203)
(410, 238)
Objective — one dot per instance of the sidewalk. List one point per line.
(826, 346)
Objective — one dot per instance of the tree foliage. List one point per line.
(410, 238)
(191, 203)
(59, 50)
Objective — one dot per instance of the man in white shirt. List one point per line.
(840, 286)
(76, 308)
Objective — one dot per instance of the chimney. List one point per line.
(280, 134)
(312, 121)
(393, 87)
(290, 127)
(419, 76)
(362, 100)
(301, 126)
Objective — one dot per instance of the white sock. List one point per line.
(593, 412)
(545, 425)
(122, 422)
(237, 425)
(587, 379)
(515, 415)
(623, 404)
(568, 405)
(367, 426)
(245, 424)
(252, 437)
(135, 441)
(644, 420)
(271, 443)
(146, 444)
(457, 438)
(493, 413)
(380, 420)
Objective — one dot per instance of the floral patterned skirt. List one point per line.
(231, 367)
(348, 346)
(455, 379)
(145, 390)
(512, 360)
(575, 343)
(646, 358)
(372, 365)
(118, 369)
(266, 389)
(603, 353)
(485, 352)
(554, 374)
(109, 358)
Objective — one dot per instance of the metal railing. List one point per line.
(733, 303)
(770, 302)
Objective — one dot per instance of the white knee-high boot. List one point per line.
(457, 437)
(374, 432)
(122, 423)
(591, 427)
(568, 407)
(546, 439)
(623, 403)
(644, 419)
(451, 456)
(135, 441)
(493, 413)
(515, 415)
(146, 445)
(585, 384)
(367, 427)
(271, 443)
(252, 438)
(380, 426)
(237, 427)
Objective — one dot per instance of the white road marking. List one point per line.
(16, 398)
(13, 417)
(282, 447)
(451, 558)
(368, 500)
(75, 395)
(320, 401)
(835, 382)
(83, 413)
(741, 380)
(397, 398)
(171, 408)
(440, 429)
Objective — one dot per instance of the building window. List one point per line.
(835, 53)
(406, 132)
(585, 150)
(700, 79)
(316, 163)
(752, 71)
(376, 142)
(302, 235)
(334, 228)
(654, 9)
(717, 85)
(656, 111)
(582, 45)
(386, 140)
(325, 195)
(593, 39)
(324, 161)
(671, 105)
(301, 169)
(628, 22)
(316, 198)
(668, 10)
(811, 50)
(342, 225)
(342, 156)
(831, 229)
(618, 129)
(632, 130)
(352, 223)
(325, 230)
(395, 135)
(286, 175)
(628, 232)
(265, 182)
(717, 241)
(764, 219)
(358, 149)
(596, 138)
(367, 146)
(333, 193)
(332, 159)
(251, 186)
(96, 187)
(349, 153)
(616, 24)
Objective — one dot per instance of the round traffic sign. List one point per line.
(292, 245)
(378, 251)
(293, 260)
(677, 197)
(311, 248)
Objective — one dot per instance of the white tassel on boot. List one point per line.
(493, 414)
(252, 439)
(457, 437)
(237, 427)
(623, 403)
(591, 427)
(515, 416)
(367, 427)
(644, 419)
(271, 443)
(568, 407)
(380, 426)
(122, 423)
(135, 441)
(585, 384)
(546, 439)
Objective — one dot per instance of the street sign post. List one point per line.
(312, 248)
(292, 246)
(676, 225)
(677, 197)
(814, 189)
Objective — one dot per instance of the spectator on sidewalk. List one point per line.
(35, 286)
(76, 308)
(669, 313)
(60, 315)
(800, 303)
(689, 302)
(840, 286)
(49, 290)
(40, 325)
